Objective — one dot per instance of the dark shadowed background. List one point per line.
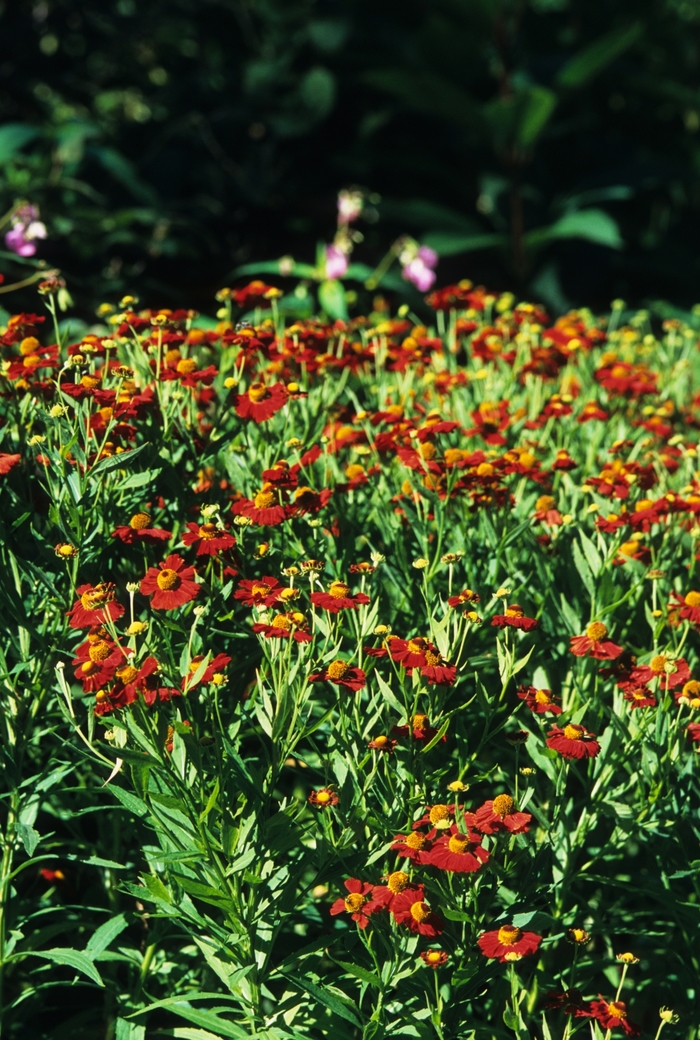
(548, 146)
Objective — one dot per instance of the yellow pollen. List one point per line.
(420, 912)
(94, 598)
(432, 659)
(414, 646)
(90, 382)
(427, 451)
(127, 674)
(458, 843)
(337, 669)
(433, 956)
(353, 471)
(542, 697)
(338, 590)
(259, 589)
(397, 881)
(644, 503)
(264, 499)
(503, 805)
(439, 813)
(573, 732)
(168, 579)
(484, 469)
(419, 722)
(207, 532)
(100, 651)
(28, 346)
(616, 1009)
(354, 902)
(258, 392)
(323, 797)
(508, 935)
(691, 689)
(692, 599)
(186, 367)
(415, 841)
(514, 611)
(544, 502)
(380, 742)
(658, 664)
(281, 621)
(140, 521)
(596, 631)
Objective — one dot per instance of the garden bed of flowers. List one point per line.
(350, 672)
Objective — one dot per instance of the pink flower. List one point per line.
(336, 262)
(419, 270)
(26, 228)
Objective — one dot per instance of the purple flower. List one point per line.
(419, 270)
(26, 228)
(336, 262)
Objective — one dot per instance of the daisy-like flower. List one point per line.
(420, 729)
(466, 596)
(692, 732)
(573, 741)
(637, 695)
(539, 701)
(323, 798)
(612, 1014)
(514, 617)
(292, 625)
(360, 902)
(670, 673)
(171, 584)
(689, 606)
(342, 674)
(508, 943)
(264, 509)
(209, 539)
(457, 852)
(383, 743)
(594, 643)
(411, 653)
(396, 883)
(434, 958)
(7, 462)
(139, 529)
(689, 695)
(500, 814)
(578, 936)
(416, 845)
(94, 605)
(437, 671)
(97, 659)
(258, 592)
(570, 1001)
(411, 909)
(261, 402)
(306, 500)
(338, 598)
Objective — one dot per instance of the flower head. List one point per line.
(573, 741)
(171, 584)
(506, 941)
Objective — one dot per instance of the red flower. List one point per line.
(693, 732)
(539, 701)
(170, 583)
(466, 596)
(255, 294)
(570, 1001)
(213, 673)
(360, 902)
(638, 696)
(97, 659)
(670, 673)
(594, 644)
(410, 908)
(305, 500)
(490, 420)
(514, 617)
(323, 798)
(434, 958)
(94, 605)
(338, 598)
(340, 673)
(501, 814)
(383, 743)
(212, 539)
(258, 592)
(690, 606)
(139, 530)
(7, 462)
(573, 741)
(420, 728)
(436, 670)
(592, 410)
(265, 509)
(508, 943)
(292, 625)
(415, 846)
(612, 1014)
(261, 402)
(457, 852)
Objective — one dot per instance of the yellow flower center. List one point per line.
(207, 531)
(354, 902)
(337, 669)
(508, 935)
(617, 1009)
(432, 659)
(596, 631)
(503, 805)
(140, 521)
(484, 469)
(187, 366)
(100, 651)
(544, 502)
(94, 598)
(514, 611)
(692, 599)
(644, 503)
(542, 697)
(90, 382)
(127, 674)
(419, 722)
(354, 471)
(415, 841)
(427, 451)
(323, 798)
(167, 579)
(458, 843)
(439, 814)
(578, 935)
(433, 956)
(691, 689)
(420, 912)
(264, 499)
(257, 392)
(28, 346)
(259, 589)
(658, 664)
(380, 742)
(573, 732)
(397, 881)
(282, 621)
(338, 590)
(415, 646)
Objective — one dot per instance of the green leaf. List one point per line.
(105, 934)
(116, 461)
(536, 109)
(13, 137)
(450, 243)
(593, 59)
(129, 801)
(593, 225)
(129, 1030)
(344, 1008)
(206, 1019)
(361, 973)
(72, 958)
(584, 570)
(331, 296)
(30, 837)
